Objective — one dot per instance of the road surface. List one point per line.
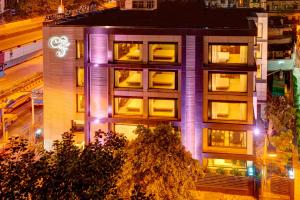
(20, 39)
(22, 127)
(19, 72)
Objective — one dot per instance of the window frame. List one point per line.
(225, 72)
(77, 103)
(128, 88)
(209, 138)
(130, 42)
(163, 70)
(129, 97)
(209, 111)
(262, 30)
(78, 43)
(224, 44)
(77, 68)
(164, 117)
(160, 62)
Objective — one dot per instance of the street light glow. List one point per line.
(256, 131)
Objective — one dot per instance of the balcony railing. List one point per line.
(241, 185)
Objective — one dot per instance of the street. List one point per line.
(23, 125)
(20, 72)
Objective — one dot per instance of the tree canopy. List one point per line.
(159, 163)
(66, 172)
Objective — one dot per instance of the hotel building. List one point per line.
(192, 67)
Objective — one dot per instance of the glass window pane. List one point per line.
(162, 80)
(228, 82)
(128, 51)
(227, 163)
(258, 52)
(79, 49)
(163, 53)
(128, 106)
(128, 79)
(259, 30)
(226, 54)
(228, 110)
(226, 138)
(237, 139)
(258, 73)
(80, 76)
(127, 130)
(80, 103)
(162, 107)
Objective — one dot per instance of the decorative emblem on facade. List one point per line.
(61, 44)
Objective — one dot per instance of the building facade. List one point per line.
(109, 74)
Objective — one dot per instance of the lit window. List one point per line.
(127, 130)
(225, 138)
(163, 52)
(258, 73)
(226, 166)
(80, 103)
(258, 52)
(162, 80)
(260, 30)
(79, 49)
(162, 107)
(227, 110)
(128, 79)
(128, 106)
(128, 51)
(80, 76)
(228, 82)
(234, 54)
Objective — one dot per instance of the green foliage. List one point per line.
(159, 163)
(138, 194)
(64, 173)
(281, 114)
(220, 170)
(236, 172)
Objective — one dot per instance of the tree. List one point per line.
(281, 117)
(159, 163)
(67, 172)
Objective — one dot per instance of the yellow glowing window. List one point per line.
(80, 103)
(227, 110)
(258, 73)
(162, 108)
(162, 80)
(226, 138)
(163, 52)
(128, 106)
(128, 79)
(128, 51)
(127, 130)
(228, 82)
(228, 54)
(80, 76)
(258, 52)
(79, 49)
(227, 164)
